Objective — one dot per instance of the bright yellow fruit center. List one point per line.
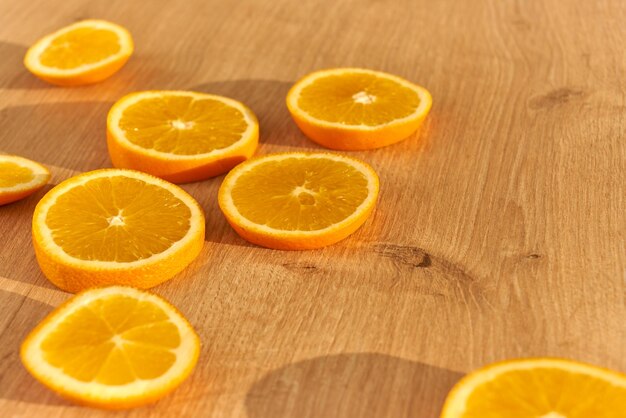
(113, 341)
(299, 194)
(546, 393)
(12, 174)
(182, 125)
(79, 47)
(117, 219)
(358, 99)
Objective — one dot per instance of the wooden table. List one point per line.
(500, 230)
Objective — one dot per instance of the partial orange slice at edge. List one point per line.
(538, 388)
(20, 177)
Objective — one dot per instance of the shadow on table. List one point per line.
(266, 98)
(70, 135)
(13, 74)
(351, 385)
(16, 383)
(18, 257)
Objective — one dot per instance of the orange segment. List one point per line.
(538, 388)
(352, 109)
(358, 99)
(182, 125)
(12, 174)
(82, 53)
(116, 227)
(180, 136)
(81, 46)
(118, 223)
(113, 347)
(20, 177)
(298, 200)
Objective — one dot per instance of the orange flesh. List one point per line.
(12, 174)
(182, 125)
(117, 219)
(79, 47)
(113, 341)
(546, 393)
(299, 194)
(357, 99)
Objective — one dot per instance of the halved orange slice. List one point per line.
(538, 388)
(297, 201)
(357, 109)
(180, 136)
(84, 52)
(113, 226)
(114, 347)
(20, 177)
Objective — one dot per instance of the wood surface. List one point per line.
(499, 233)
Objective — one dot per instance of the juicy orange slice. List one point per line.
(296, 201)
(20, 177)
(114, 347)
(180, 136)
(538, 388)
(82, 53)
(357, 109)
(114, 226)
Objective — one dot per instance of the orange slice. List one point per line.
(114, 347)
(82, 53)
(20, 177)
(180, 136)
(114, 226)
(357, 109)
(538, 388)
(297, 201)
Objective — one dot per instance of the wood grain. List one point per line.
(500, 230)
